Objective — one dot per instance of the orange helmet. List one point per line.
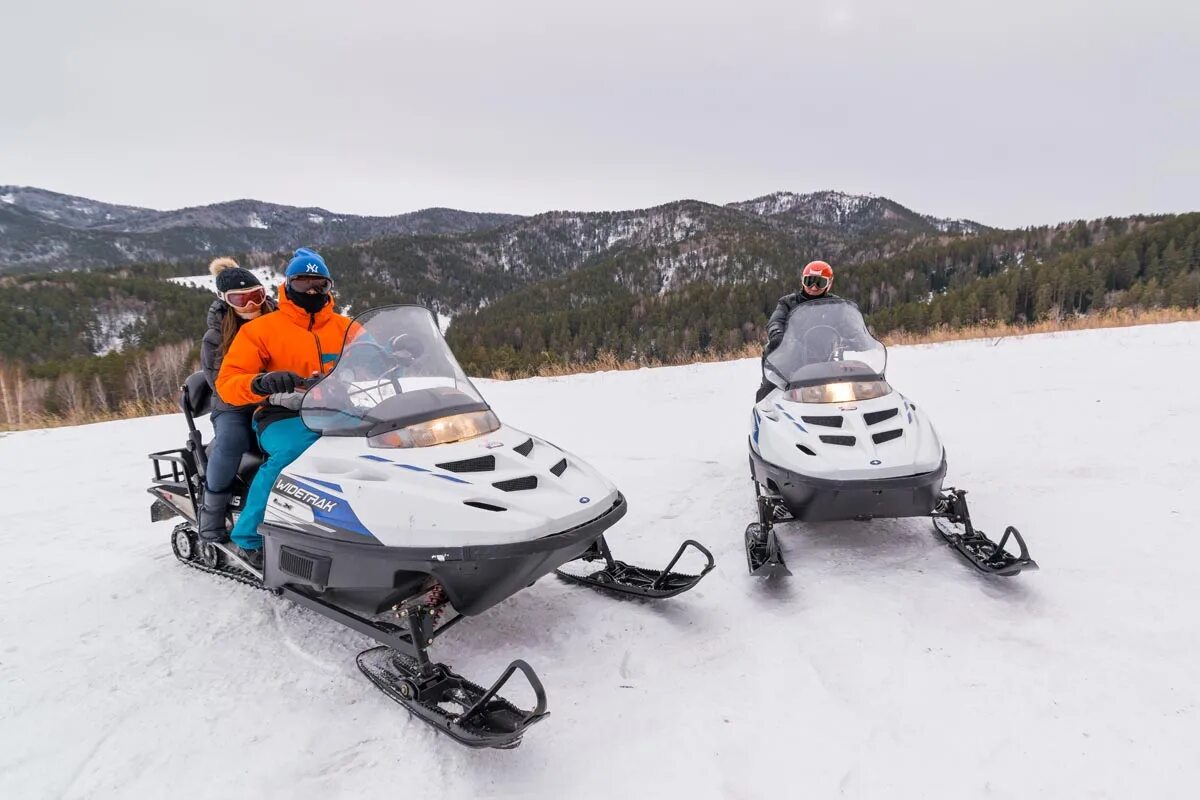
(817, 278)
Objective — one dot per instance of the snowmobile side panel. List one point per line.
(475, 577)
(812, 499)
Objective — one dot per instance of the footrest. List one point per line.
(623, 578)
(468, 713)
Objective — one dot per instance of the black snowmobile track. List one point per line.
(622, 578)
(455, 706)
(231, 571)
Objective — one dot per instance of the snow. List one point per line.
(267, 275)
(443, 322)
(884, 668)
(111, 330)
(256, 221)
(9, 198)
(316, 219)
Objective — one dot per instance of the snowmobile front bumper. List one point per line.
(369, 578)
(812, 499)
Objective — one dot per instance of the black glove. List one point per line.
(279, 382)
(774, 341)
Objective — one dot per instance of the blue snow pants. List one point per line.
(283, 441)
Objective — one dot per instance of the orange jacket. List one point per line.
(290, 339)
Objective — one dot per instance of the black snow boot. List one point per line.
(212, 516)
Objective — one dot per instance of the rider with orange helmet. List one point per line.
(815, 282)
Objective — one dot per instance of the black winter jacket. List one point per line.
(787, 304)
(210, 350)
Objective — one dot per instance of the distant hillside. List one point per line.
(47, 230)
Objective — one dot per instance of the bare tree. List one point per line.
(71, 392)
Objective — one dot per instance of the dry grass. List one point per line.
(126, 411)
(1113, 318)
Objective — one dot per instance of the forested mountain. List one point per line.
(46, 230)
(663, 284)
(1003, 276)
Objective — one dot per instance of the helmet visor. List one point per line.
(815, 282)
(253, 297)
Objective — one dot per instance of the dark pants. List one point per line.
(232, 437)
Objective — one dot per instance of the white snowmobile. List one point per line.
(414, 510)
(834, 441)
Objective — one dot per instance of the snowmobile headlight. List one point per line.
(439, 431)
(846, 392)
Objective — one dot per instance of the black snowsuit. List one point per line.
(233, 434)
(777, 325)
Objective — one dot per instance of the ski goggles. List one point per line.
(815, 282)
(246, 298)
(310, 283)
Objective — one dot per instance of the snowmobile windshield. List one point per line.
(826, 341)
(396, 377)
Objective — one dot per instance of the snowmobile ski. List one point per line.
(952, 521)
(619, 577)
(465, 711)
(764, 556)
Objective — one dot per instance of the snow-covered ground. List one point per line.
(884, 668)
(267, 275)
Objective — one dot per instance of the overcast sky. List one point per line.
(1012, 113)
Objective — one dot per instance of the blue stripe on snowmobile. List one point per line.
(449, 478)
(789, 416)
(326, 484)
(376, 458)
(413, 467)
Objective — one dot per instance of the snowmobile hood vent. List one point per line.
(483, 506)
(525, 448)
(559, 468)
(481, 464)
(846, 441)
(887, 436)
(873, 417)
(828, 422)
(517, 484)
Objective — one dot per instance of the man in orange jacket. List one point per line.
(267, 363)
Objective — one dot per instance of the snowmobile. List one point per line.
(414, 510)
(832, 440)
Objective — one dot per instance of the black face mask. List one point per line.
(312, 303)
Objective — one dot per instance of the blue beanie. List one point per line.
(306, 262)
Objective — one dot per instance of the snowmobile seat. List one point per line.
(196, 397)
